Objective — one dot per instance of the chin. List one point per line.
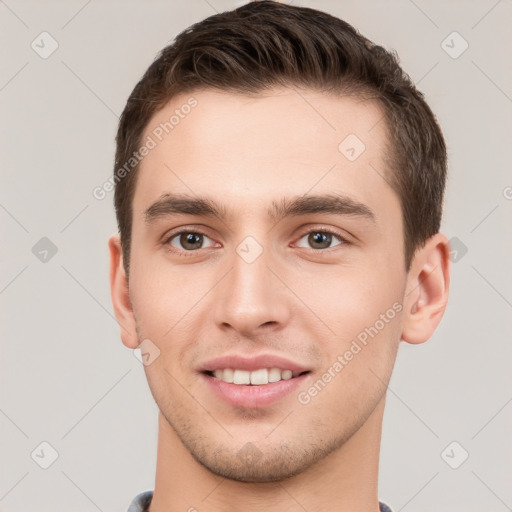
(262, 471)
(251, 464)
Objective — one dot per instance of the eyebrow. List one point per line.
(334, 204)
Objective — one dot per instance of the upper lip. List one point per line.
(252, 363)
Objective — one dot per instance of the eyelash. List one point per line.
(185, 254)
(343, 240)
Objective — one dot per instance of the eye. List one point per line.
(189, 240)
(320, 239)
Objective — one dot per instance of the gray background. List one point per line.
(65, 376)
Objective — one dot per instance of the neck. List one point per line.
(346, 480)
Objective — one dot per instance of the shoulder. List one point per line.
(141, 502)
(383, 507)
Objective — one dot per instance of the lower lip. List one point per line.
(253, 397)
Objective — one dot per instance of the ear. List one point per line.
(428, 283)
(119, 291)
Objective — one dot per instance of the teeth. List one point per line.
(274, 375)
(242, 377)
(256, 377)
(259, 377)
(229, 375)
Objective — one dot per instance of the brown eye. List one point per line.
(320, 240)
(189, 240)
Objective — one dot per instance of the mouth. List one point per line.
(252, 381)
(259, 377)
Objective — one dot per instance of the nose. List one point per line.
(252, 298)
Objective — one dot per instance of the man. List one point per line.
(279, 187)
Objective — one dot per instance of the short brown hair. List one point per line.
(265, 44)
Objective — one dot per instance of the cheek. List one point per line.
(348, 299)
(170, 306)
(362, 310)
(365, 317)
(163, 296)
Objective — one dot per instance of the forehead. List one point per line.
(245, 151)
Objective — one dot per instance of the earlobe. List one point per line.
(427, 290)
(119, 291)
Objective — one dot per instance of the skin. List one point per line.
(298, 299)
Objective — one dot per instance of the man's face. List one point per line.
(253, 285)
